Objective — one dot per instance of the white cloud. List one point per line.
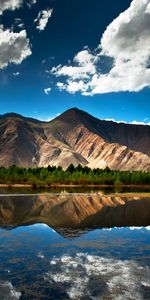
(14, 4)
(16, 74)
(133, 122)
(9, 5)
(42, 19)
(47, 91)
(46, 119)
(61, 86)
(14, 47)
(95, 277)
(18, 22)
(31, 2)
(85, 66)
(40, 255)
(21, 25)
(7, 291)
(140, 123)
(127, 42)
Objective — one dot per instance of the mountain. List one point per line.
(72, 211)
(73, 137)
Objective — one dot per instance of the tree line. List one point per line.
(40, 176)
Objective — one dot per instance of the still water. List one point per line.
(53, 246)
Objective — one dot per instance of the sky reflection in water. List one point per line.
(38, 263)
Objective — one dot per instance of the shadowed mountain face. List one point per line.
(73, 137)
(75, 211)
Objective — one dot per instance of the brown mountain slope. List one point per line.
(134, 137)
(75, 210)
(73, 137)
(102, 143)
(23, 142)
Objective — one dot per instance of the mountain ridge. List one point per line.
(74, 109)
(73, 137)
(74, 211)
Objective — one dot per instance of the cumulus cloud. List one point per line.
(47, 91)
(7, 291)
(85, 67)
(9, 5)
(126, 41)
(14, 4)
(42, 18)
(14, 47)
(95, 277)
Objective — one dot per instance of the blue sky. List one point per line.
(74, 27)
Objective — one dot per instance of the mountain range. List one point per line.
(72, 211)
(74, 137)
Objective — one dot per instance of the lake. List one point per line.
(76, 245)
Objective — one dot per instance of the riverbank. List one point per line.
(57, 185)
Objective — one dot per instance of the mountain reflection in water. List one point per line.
(53, 252)
(75, 210)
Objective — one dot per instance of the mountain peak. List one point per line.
(74, 113)
(73, 110)
(70, 115)
(74, 137)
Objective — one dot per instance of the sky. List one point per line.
(59, 54)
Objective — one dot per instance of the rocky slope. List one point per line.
(74, 137)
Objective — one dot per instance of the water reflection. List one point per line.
(75, 210)
(38, 263)
(76, 189)
(61, 256)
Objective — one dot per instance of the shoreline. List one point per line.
(20, 185)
